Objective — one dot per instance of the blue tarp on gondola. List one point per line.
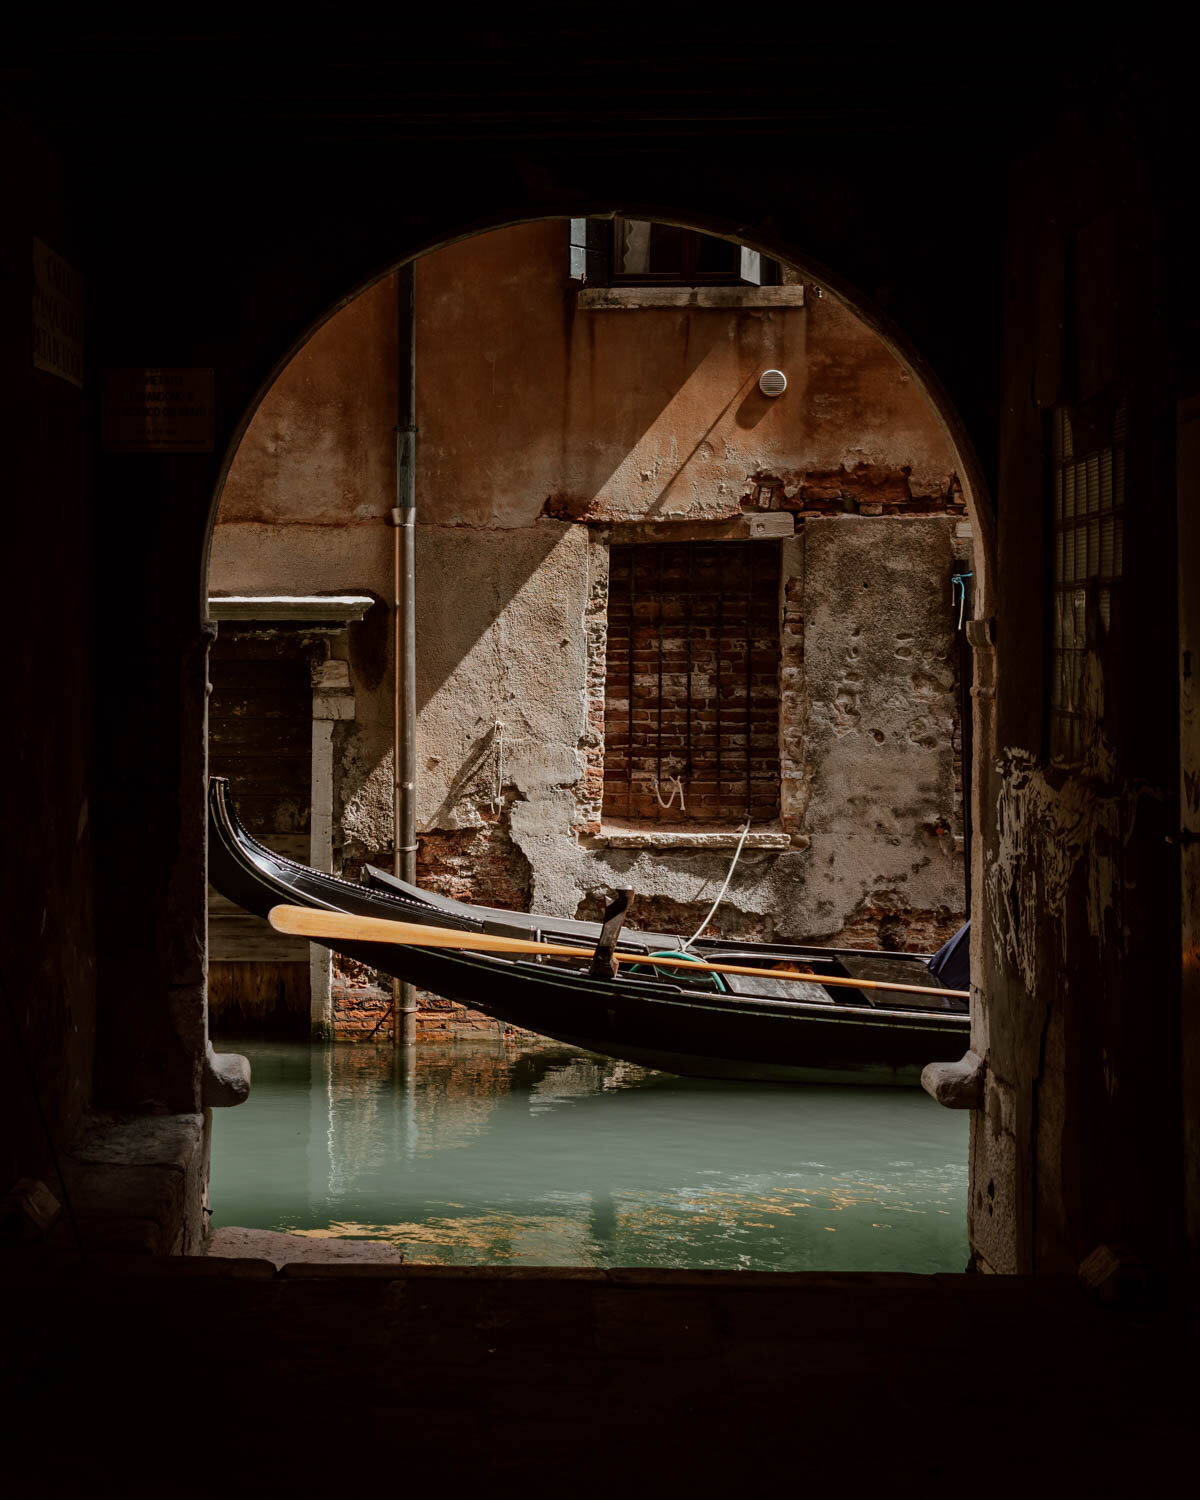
(952, 962)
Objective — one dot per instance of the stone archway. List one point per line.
(967, 462)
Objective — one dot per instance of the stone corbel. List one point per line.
(226, 1079)
(957, 1085)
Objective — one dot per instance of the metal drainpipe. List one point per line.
(404, 748)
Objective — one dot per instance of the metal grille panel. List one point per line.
(1089, 537)
(692, 682)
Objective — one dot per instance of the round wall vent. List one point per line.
(772, 382)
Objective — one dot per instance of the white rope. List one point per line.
(721, 893)
(678, 787)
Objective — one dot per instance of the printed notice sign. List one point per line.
(158, 410)
(57, 315)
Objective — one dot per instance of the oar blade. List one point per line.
(337, 926)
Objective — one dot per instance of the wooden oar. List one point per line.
(338, 926)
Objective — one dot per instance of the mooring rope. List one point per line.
(678, 787)
(721, 893)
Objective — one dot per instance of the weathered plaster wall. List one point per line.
(623, 415)
(320, 457)
(881, 698)
(536, 414)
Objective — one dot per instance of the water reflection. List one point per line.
(534, 1153)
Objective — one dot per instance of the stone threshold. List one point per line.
(36, 1262)
(231, 1242)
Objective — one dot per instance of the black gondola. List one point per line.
(774, 1029)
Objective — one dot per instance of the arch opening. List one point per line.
(574, 515)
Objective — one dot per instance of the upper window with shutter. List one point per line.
(641, 252)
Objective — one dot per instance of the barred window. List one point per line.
(692, 683)
(1089, 504)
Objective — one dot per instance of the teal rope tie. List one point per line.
(958, 593)
(716, 980)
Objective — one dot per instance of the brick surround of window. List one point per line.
(691, 712)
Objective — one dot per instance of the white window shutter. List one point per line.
(588, 251)
(751, 270)
(577, 269)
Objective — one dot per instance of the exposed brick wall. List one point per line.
(362, 1011)
(590, 797)
(361, 1004)
(481, 865)
(794, 771)
(888, 925)
(884, 924)
(704, 614)
(661, 914)
(864, 490)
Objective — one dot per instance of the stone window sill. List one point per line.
(618, 836)
(342, 608)
(623, 298)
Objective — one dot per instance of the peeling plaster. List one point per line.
(1045, 832)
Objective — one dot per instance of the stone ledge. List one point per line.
(749, 526)
(342, 608)
(629, 298)
(616, 837)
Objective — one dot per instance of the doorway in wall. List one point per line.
(260, 738)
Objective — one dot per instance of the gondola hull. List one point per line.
(807, 1034)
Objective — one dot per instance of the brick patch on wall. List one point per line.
(480, 865)
(661, 914)
(884, 925)
(362, 1011)
(898, 929)
(590, 795)
(865, 490)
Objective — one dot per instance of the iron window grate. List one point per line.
(1089, 540)
(692, 682)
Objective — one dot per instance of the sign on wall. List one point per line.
(158, 410)
(57, 315)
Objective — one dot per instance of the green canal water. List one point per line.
(507, 1152)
